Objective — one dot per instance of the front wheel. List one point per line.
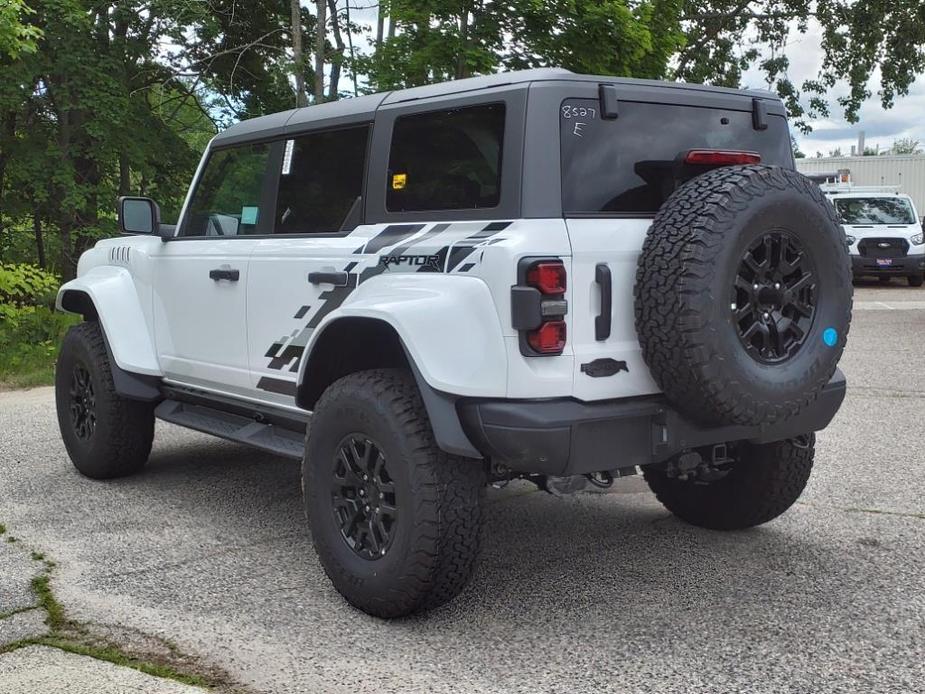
(105, 434)
(759, 483)
(916, 280)
(395, 521)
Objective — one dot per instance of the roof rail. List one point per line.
(844, 184)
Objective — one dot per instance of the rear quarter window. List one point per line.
(613, 166)
(446, 160)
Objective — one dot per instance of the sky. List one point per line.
(880, 126)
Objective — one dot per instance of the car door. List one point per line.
(306, 268)
(200, 276)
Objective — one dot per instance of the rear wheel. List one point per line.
(759, 483)
(394, 519)
(916, 280)
(105, 434)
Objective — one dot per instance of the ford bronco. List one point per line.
(539, 275)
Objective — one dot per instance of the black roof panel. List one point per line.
(363, 108)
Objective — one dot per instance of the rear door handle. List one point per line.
(224, 274)
(338, 279)
(602, 322)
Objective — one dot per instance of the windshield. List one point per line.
(874, 211)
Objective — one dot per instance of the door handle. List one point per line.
(224, 274)
(338, 279)
(602, 322)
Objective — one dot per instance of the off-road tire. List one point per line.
(120, 442)
(686, 273)
(916, 280)
(438, 497)
(765, 481)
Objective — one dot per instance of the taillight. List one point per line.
(538, 306)
(549, 338)
(548, 277)
(721, 157)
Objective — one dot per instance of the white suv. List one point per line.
(883, 231)
(533, 275)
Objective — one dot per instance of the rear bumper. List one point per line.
(906, 265)
(564, 436)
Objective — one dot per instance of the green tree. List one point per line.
(906, 145)
(15, 35)
(91, 113)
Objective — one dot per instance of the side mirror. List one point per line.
(138, 215)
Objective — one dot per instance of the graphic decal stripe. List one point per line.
(301, 312)
(277, 385)
(391, 235)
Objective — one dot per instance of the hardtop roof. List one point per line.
(363, 108)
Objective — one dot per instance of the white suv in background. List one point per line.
(883, 230)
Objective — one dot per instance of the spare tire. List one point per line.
(743, 295)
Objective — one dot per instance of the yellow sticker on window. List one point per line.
(399, 180)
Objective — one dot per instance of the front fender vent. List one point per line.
(120, 255)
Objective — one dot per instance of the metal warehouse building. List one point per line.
(905, 170)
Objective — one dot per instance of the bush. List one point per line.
(30, 329)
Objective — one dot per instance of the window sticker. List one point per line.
(287, 157)
(249, 215)
(399, 181)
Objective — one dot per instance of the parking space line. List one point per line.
(889, 306)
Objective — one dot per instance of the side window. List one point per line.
(227, 198)
(320, 181)
(446, 160)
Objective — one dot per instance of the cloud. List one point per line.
(881, 126)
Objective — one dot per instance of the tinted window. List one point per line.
(320, 181)
(874, 211)
(446, 160)
(227, 198)
(624, 165)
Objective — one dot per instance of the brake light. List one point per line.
(721, 157)
(548, 276)
(549, 338)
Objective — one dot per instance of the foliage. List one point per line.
(906, 145)
(442, 39)
(30, 329)
(15, 36)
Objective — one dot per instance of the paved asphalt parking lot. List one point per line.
(590, 593)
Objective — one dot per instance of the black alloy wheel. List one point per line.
(774, 297)
(363, 496)
(83, 402)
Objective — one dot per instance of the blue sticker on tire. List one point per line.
(830, 337)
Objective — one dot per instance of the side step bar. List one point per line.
(234, 427)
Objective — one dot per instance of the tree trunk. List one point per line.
(338, 60)
(380, 24)
(353, 57)
(297, 56)
(462, 69)
(39, 240)
(320, 33)
(125, 178)
(6, 136)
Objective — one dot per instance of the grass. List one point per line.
(68, 635)
(27, 366)
(29, 347)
